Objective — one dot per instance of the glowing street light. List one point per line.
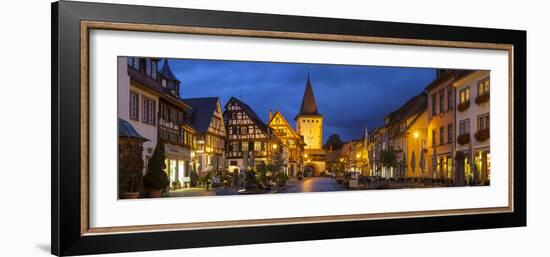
(415, 135)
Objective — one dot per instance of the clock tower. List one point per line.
(309, 125)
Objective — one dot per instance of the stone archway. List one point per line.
(311, 170)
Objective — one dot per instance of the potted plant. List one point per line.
(299, 176)
(130, 167)
(282, 178)
(194, 178)
(127, 187)
(463, 139)
(155, 179)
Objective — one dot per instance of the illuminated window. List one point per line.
(244, 146)
(465, 95)
(257, 146)
(483, 87)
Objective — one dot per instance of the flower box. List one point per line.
(463, 139)
(482, 135)
(480, 99)
(463, 106)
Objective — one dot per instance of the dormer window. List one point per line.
(148, 67)
(164, 82)
(154, 70)
(133, 62)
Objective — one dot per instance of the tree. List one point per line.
(334, 142)
(261, 170)
(387, 158)
(130, 165)
(277, 164)
(156, 178)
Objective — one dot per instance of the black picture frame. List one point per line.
(66, 203)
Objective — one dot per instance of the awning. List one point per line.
(125, 129)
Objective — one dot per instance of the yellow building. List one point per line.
(309, 125)
(282, 129)
(441, 125)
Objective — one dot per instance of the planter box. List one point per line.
(463, 106)
(463, 139)
(482, 135)
(481, 99)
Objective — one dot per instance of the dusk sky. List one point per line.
(350, 97)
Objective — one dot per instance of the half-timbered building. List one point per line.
(175, 128)
(249, 140)
(207, 119)
(288, 136)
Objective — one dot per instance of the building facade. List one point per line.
(249, 140)
(150, 101)
(207, 120)
(441, 125)
(402, 125)
(291, 141)
(473, 157)
(309, 125)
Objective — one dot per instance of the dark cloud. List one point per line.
(350, 97)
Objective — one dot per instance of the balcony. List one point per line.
(463, 139)
(482, 135)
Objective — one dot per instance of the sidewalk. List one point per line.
(201, 191)
(195, 191)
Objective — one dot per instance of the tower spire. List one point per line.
(309, 106)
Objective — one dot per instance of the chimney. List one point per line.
(270, 114)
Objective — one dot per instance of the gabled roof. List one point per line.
(412, 106)
(446, 76)
(250, 112)
(285, 122)
(166, 72)
(203, 109)
(309, 106)
(125, 129)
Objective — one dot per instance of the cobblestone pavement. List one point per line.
(315, 184)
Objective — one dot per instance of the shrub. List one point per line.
(156, 178)
(194, 178)
(282, 178)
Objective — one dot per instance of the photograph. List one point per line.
(198, 127)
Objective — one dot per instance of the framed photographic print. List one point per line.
(178, 128)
